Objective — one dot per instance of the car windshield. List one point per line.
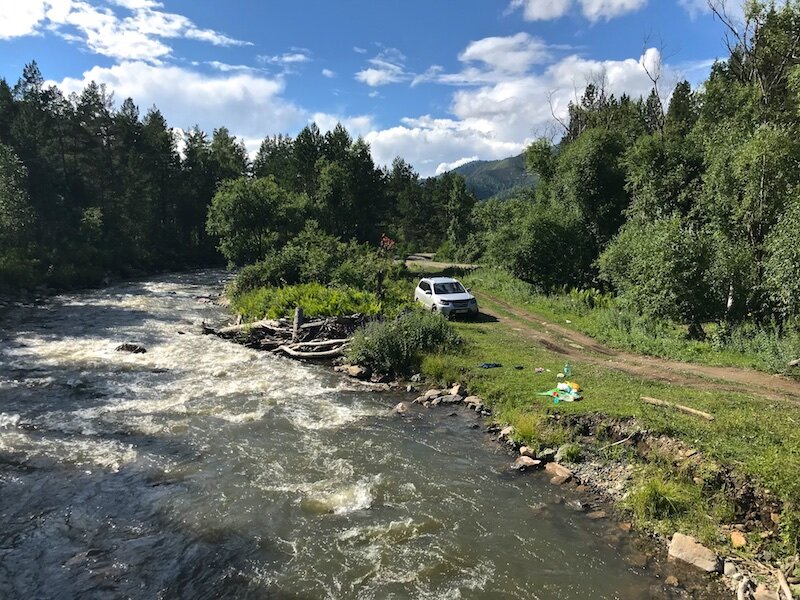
(448, 288)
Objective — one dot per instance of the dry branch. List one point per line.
(680, 407)
(318, 354)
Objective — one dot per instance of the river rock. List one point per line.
(472, 401)
(687, 549)
(729, 570)
(432, 393)
(131, 347)
(559, 480)
(547, 455)
(596, 515)
(523, 462)
(458, 390)
(557, 470)
(672, 581)
(738, 539)
(764, 593)
(451, 399)
(527, 451)
(506, 432)
(578, 505)
(416, 378)
(358, 372)
(401, 408)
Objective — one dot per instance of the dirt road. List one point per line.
(577, 346)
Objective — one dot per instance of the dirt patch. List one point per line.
(584, 348)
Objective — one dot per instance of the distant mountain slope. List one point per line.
(487, 178)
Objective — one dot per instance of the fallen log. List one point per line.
(318, 354)
(319, 344)
(680, 407)
(229, 330)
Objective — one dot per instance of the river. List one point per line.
(202, 469)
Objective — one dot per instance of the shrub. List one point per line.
(398, 346)
(315, 300)
(658, 498)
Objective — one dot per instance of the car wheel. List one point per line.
(434, 309)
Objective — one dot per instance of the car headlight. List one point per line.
(443, 302)
(473, 301)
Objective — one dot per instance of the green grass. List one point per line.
(758, 438)
(598, 315)
(315, 300)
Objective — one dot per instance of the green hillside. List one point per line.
(487, 178)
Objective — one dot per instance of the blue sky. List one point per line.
(439, 82)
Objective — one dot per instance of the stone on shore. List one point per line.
(524, 462)
(559, 480)
(358, 372)
(547, 455)
(506, 432)
(764, 593)
(451, 399)
(738, 539)
(557, 470)
(687, 549)
(527, 451)
(458, 390)
(433, 393)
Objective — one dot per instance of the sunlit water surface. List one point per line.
(202, 469)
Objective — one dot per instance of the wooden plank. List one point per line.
(680, 407)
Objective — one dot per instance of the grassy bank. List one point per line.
(600, 316)
(757, 438)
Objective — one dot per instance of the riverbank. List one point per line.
(730, 476)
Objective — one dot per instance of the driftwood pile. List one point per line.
(317, 339)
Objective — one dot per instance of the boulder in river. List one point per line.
(687, 549)
(557, 470)
(131, 347)
(401, 408)
(451, 399)
(524, 462)
(527, 451)
(358, 372)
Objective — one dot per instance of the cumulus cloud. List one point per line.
(385, 68)
(328, 73)
(594, 10)
(138, 36)
(500, 117)
(445, 167)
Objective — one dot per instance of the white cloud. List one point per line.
(328, 73)
(138, 36)
(387, 67)
(357, 126)
(732, 8)
(512, 54)
(445, 167)
(19, 19)
(250, 105)
(541, 10)
(594, 10)
(296, 57)
(491, 60)
(359, 50)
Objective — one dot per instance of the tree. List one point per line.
(16, 214)
(251, 217)
(662, 270)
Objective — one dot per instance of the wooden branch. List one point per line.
(263, 324)
(784, 585)
(318, 344)
(321, 354)
(680, 407)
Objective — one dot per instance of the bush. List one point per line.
(398, 346)
(315, 299)
(658, 498)
(317, 257)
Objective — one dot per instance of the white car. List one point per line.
(445, 295)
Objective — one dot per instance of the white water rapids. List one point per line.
(202, 469)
